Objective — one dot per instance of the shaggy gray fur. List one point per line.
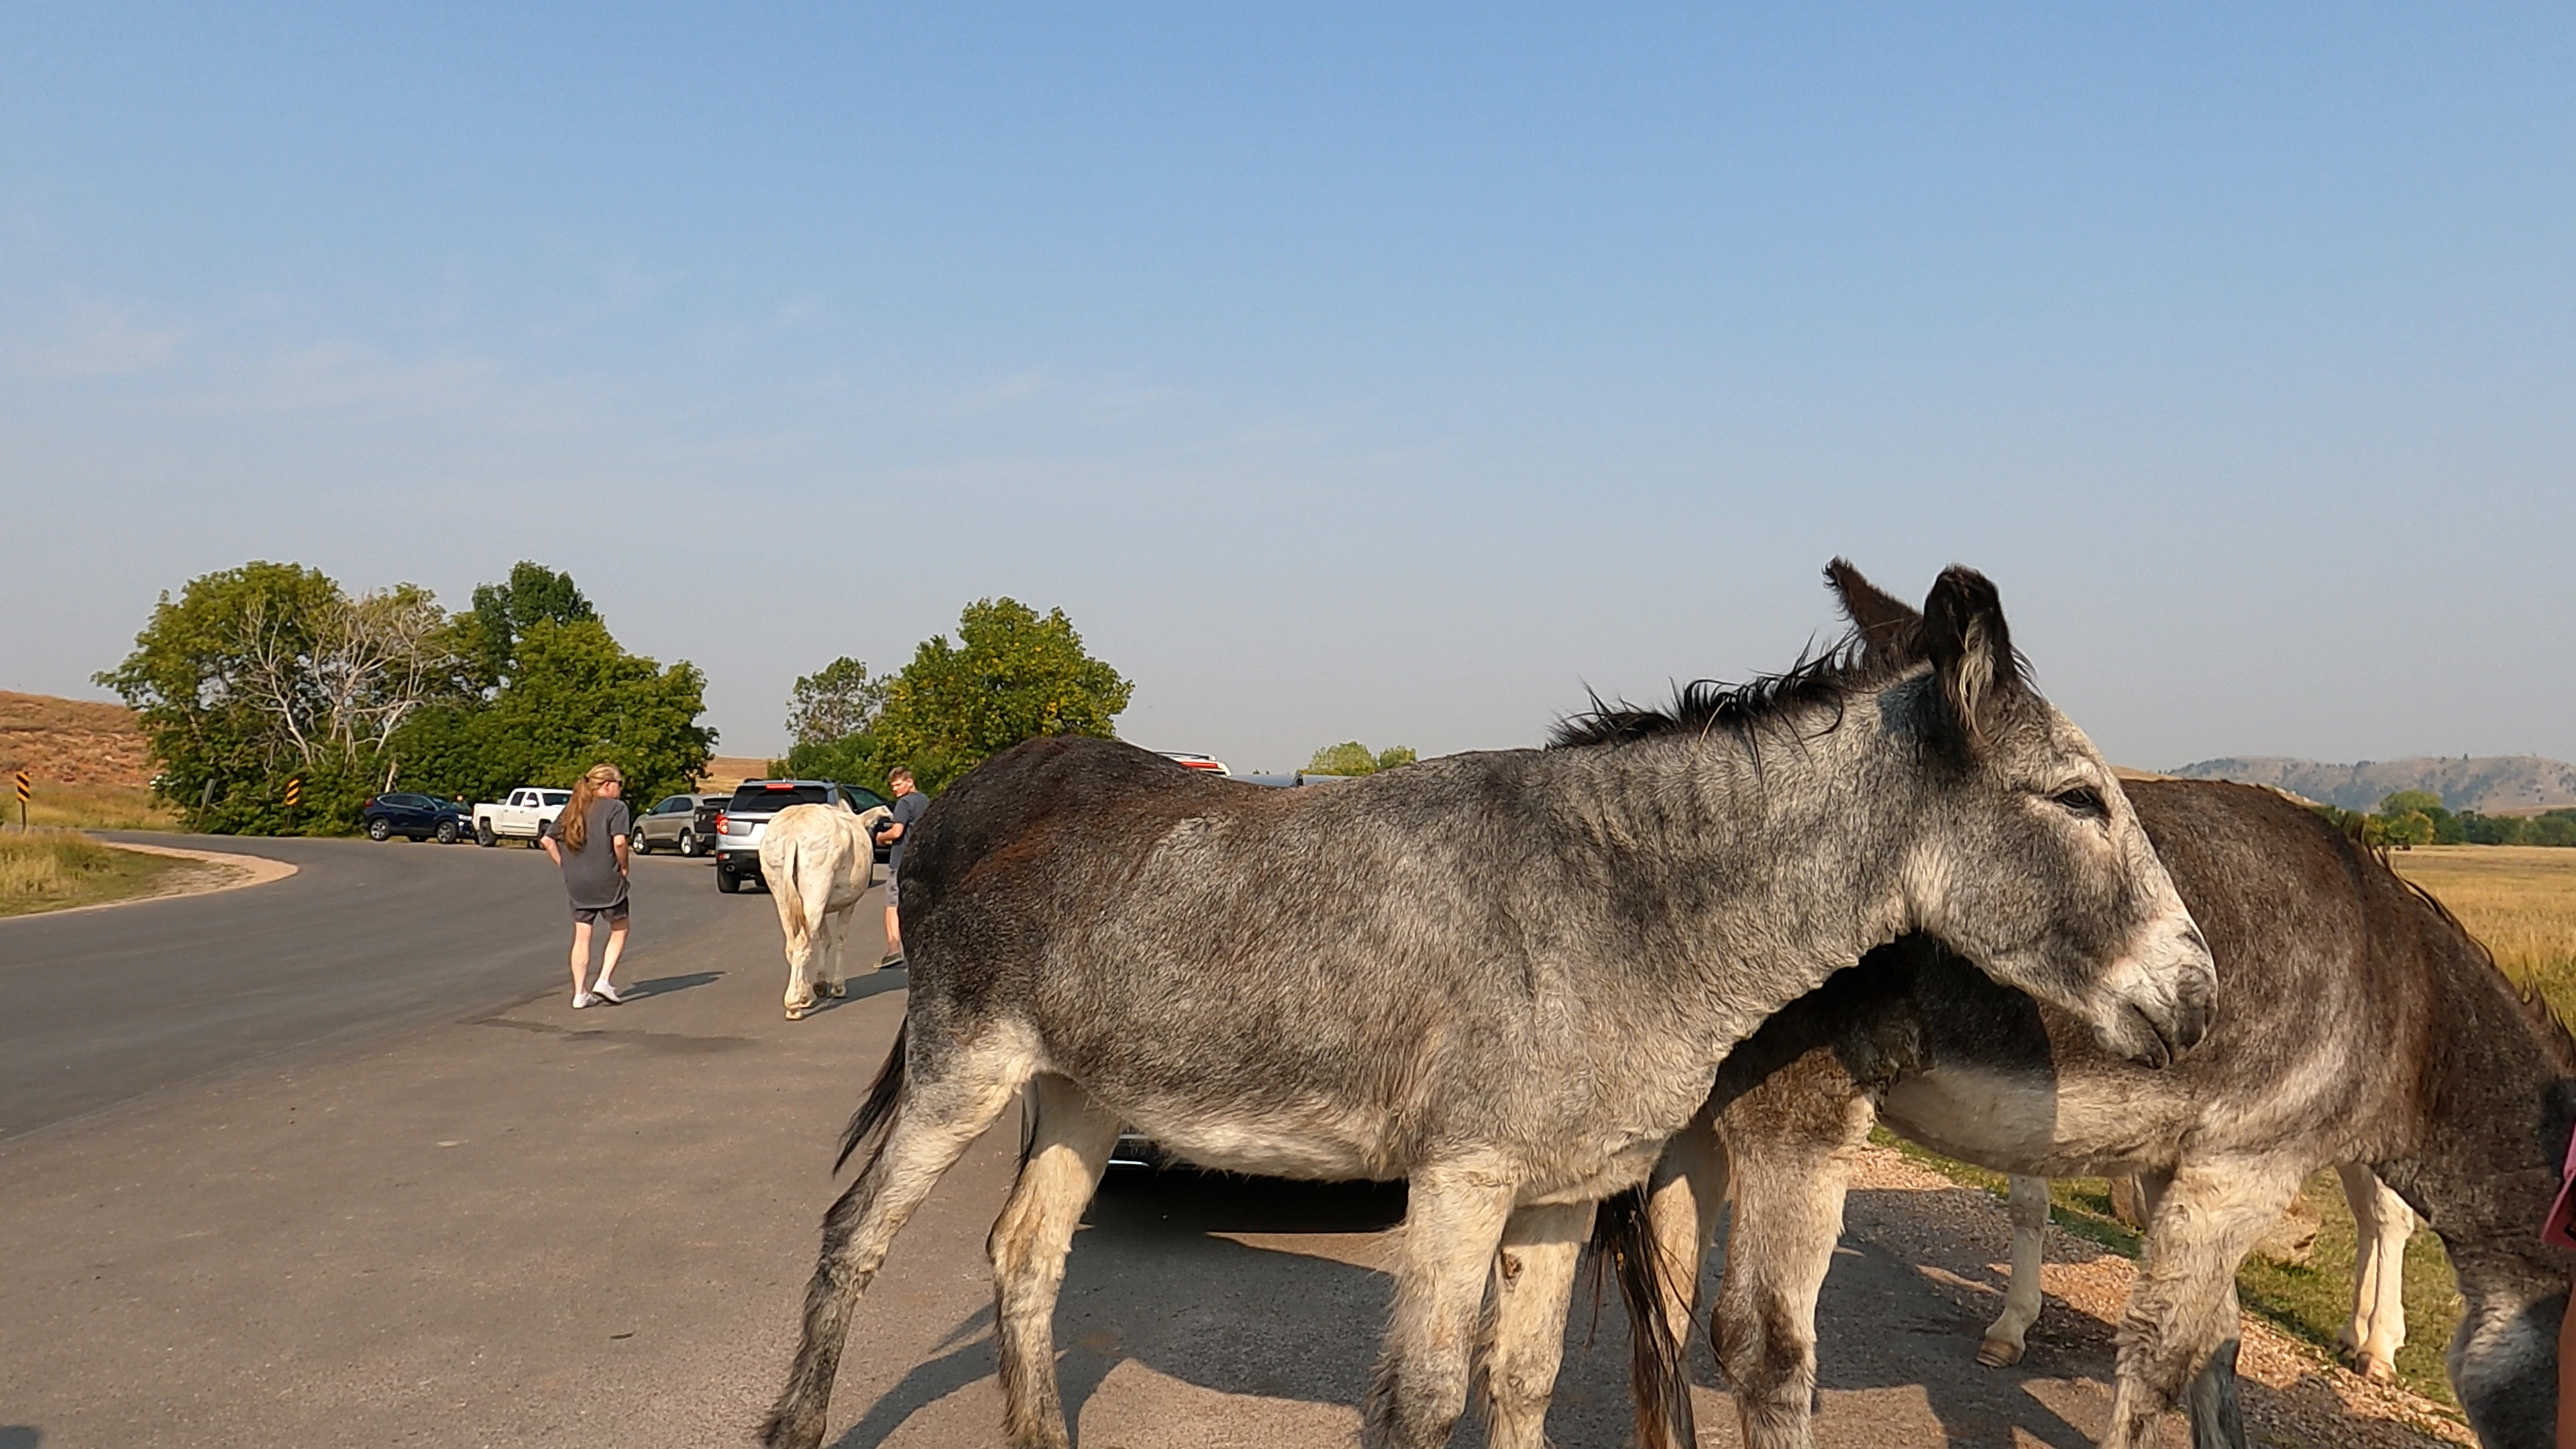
(1506, 978)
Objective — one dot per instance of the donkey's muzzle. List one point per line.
(2170, 1001)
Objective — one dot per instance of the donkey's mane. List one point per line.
(1826, 679)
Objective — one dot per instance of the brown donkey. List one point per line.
(2361, 1025)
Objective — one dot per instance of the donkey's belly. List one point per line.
(1314, 1141)
(2027, 1123)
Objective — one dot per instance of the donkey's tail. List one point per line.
(791, 904)
(877, 1112)
(1623, 1241)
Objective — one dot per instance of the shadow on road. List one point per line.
(20, 1436)
(666, 985)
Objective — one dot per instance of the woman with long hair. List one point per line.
(588, 840)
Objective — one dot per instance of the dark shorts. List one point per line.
(584, 915)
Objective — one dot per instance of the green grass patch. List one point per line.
(2311, 1303)
(49, 870)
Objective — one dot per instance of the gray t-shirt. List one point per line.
(907, 809)
(591, 876)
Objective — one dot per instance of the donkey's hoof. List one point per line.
(839, 990)
(798, 1013)
(1998, 1353)
(2379, 1371)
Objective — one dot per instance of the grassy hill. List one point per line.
(2489, 784)
(87, 762)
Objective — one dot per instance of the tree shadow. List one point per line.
(20, 1436)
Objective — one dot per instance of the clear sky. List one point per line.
(1343, 373)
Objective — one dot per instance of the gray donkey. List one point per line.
(1505, 978)
(2362, 1026)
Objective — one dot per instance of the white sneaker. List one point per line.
(581, 999)
(604, 994)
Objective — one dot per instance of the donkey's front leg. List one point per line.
(1533, 1279)
(2011, 1331)
(1453, 1222)
(2182, 1316)
(1069, 1142)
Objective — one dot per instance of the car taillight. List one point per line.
(720, 825)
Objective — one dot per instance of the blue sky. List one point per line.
(1342, 373)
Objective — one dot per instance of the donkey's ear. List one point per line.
(1971, 652)
(1887, 625)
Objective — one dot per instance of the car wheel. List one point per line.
(483, 833)
(447, 832)
(689, 844)
(637, 843)
(380, 829)
(727, 881)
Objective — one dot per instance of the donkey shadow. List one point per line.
(1152, 1278)
(20, 1436)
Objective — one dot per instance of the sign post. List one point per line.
(294, 794)
(23, 792)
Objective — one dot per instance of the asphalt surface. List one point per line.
(333, 1162)
(366, 940)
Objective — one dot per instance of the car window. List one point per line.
(863, 800)
(762, 797)
(672, 806)
(556, 797)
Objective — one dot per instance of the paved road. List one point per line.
(366, 940)
(352, 1190)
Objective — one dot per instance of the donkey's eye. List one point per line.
(2083, 800)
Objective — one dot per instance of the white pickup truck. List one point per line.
(523, 816)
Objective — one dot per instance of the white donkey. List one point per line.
(818, 861)
(2382, 1224)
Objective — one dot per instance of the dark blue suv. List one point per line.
(422, 817)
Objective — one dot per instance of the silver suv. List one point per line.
(685, 823)
(747, 814)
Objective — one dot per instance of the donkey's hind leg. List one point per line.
(2182, 1317)
(936, 1114)
(2382, 1222)
(1533, 1281)
(1684, 1196)
(1453, 1222)
(1069, 1142)
(1792, 1148)
(2010, 1332)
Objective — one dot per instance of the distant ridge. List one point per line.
(2490, 784)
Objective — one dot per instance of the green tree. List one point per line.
(2442, 827)
(1013, 675)
(1350, 757)
(574, 699)
(835, 702)
(271, 672)
(505, 612)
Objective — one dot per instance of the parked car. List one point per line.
(417, 817)
(524, 816)
(685, 823)
(754, 801)
(1188, 761)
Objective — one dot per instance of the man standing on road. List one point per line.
(908, 805)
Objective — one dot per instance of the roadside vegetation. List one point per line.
(1013, 674)
(271, 673)
(1350, 757)
(94, 807)
(2406, 819)
(46, 870)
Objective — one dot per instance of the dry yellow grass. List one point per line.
(726, 771)
(2518, 899)
(43, 870)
